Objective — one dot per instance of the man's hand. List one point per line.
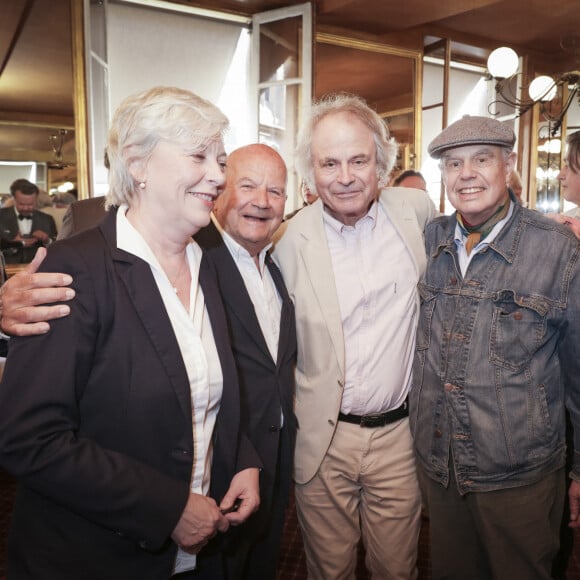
(26, 241)
(41, 236)
(574, 496)
(200, 522)
(21, 295)
(245, 489)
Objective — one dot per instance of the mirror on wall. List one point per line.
(548, 162)
(386, 77)
(36, 92)
(550, 150)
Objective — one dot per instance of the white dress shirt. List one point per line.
(261, 289)
(24, 226)
(198, 350)
(376, 282)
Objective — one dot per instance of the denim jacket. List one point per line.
(496, 351)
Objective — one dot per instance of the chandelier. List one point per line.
(503, 64)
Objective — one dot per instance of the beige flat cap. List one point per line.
(472, 131)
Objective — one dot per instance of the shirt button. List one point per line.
(438, 433)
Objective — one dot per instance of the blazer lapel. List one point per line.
(287, 312)
(318, 262)
(141, 287)
(35, 222)
(404, 219)
(232, 286)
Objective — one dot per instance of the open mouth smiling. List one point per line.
(470, 190)
(256, 218)
(209, 197)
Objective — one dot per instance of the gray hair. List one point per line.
(144, 119)
(344, 103)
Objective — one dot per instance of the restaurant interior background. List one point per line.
(66, 64)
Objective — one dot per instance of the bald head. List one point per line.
(251, 207)
(255, 151)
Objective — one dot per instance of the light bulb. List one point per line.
(502, 62)
(542, 88)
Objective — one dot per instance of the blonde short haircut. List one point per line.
(344, 103)
(144, 119)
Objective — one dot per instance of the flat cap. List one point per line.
(472, 131)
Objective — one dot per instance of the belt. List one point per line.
(379, 419)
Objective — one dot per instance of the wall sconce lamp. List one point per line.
(502, 66)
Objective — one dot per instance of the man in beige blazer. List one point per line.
(351, 262)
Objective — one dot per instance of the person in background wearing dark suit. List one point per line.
(82, 215)
(263, 333)
(85, 213)
(22, 227)
(122, 423)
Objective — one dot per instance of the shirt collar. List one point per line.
(130, 240)
(461, 236)
(237, 251)
(19, 214)
(339, 227)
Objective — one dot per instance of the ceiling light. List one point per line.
(502, 66)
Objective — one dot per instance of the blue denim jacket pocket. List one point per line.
(517, 328)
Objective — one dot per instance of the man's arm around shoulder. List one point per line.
(22, 295)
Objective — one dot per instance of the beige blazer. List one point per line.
(303, 256)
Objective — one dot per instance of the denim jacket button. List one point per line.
(448, 387)
(518, 316)
(453, 281)
(438, 433)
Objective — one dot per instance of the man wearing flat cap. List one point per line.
(498, 339)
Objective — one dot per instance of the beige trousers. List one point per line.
(366, 484)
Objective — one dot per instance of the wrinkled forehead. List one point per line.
(258, 168)
(468, 151)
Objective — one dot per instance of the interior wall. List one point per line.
(149, 47)
(13, 170)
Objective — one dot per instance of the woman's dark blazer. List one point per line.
(95, 422)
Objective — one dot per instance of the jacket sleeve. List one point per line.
(52, 233)
(48, 413)
(569, 352)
